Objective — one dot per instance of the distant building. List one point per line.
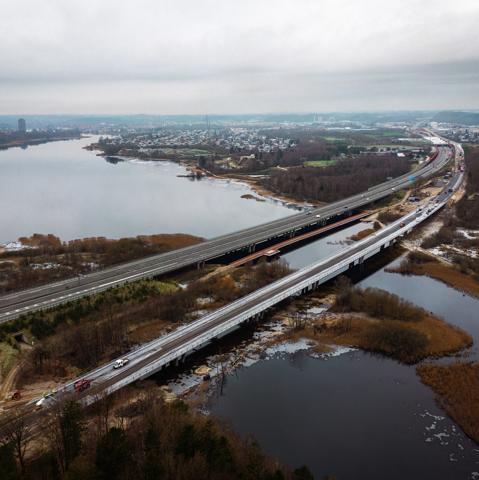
(22, 127)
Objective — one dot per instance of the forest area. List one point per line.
(344, 178)
(132, 435)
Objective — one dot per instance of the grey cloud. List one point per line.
(222, 56)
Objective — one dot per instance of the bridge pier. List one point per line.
(200, 264)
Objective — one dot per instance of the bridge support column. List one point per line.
(361, 263)
(351, 265)
(183, 358)
(175, 362)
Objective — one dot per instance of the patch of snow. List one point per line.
(336, 350)
(35, 266)
(427, 414)
(469, 234)
(440, 437)
(14, 246)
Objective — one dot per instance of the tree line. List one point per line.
(132, 437)
(344, 178)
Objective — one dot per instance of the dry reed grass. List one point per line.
(442, 339)
(362, 234)
(172, 240)
(457, 392)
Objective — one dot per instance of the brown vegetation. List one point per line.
(66, 259)
(388, 217)
(362, 234)
(403, 331)
(457, 392)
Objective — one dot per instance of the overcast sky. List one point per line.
(243, 56)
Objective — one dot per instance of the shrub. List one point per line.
(400, 341)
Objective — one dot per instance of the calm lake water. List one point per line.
(357, 416)
(62, 189)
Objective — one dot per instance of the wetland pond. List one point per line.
(356, 415)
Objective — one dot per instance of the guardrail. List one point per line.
(383, 238)
(171, 252)
(321, 278)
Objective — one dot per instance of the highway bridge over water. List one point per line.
(174, 347)
(45, 296)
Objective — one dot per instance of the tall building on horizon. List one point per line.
(22, 127)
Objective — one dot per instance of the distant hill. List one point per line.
(460, 118)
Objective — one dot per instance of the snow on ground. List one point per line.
(35, 266)
(446, 252)
(14, 246)
(469, 234)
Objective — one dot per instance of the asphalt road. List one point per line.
(40, 297)
(152, 352)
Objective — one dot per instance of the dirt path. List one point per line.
(8, 382)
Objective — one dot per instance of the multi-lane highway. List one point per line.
(173, 347)
(45, 296)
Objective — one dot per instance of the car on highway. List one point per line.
(81, 385)
(120, 363)
(318, 216)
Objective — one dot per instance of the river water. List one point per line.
(357, 415)
(60, 188)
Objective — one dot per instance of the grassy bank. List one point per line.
(457, 392)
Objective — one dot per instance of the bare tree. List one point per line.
(17, 429)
